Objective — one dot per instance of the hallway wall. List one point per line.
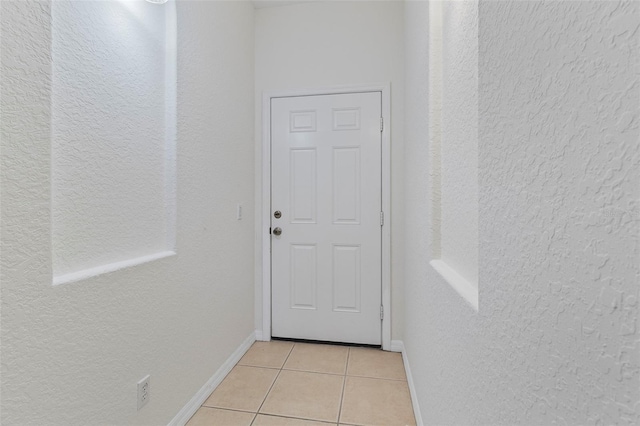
(555, 338)
(73, 353)
(321, 44)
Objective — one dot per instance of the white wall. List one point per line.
(555, 339)
(177, 319)
(320, 44)
(431, 42)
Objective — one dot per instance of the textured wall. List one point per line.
(108, 132)
(459, 138)
(556, 337)
(320, 44)
(177, 319)
(425, 44)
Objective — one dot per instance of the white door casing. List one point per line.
(326, 180)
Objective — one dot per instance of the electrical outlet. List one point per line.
(143, 392)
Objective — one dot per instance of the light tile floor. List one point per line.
(281, 383)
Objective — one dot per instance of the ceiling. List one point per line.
(261, 4)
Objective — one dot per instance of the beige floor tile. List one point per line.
(375, 363)
(376, 402)
(305, 395)
(263, 420)
(243, 389)
(206, 416)
(267, 354)
(318, 358)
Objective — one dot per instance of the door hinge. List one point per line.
(381, 218)
(381, 312)
(381, 124)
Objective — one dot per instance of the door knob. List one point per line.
(277, 231)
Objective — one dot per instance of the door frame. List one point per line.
(264, 211)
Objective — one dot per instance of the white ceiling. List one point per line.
(261, 4)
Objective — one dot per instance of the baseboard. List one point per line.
(201, 396)
(398, 346)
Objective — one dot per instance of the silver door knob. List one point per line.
(277, 231)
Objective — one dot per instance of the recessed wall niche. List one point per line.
(453, 61)
(113, 135)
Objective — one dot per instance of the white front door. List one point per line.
(326, 207)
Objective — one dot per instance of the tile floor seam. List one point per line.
(313, 372)
(288, 355)
(227, 409)
(269, 391)
(256, 366)
(272, 384)
(203, 409)
(344, 383)
(296, 418)
(374, 377)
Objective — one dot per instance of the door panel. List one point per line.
(346, 278)
(346, 185)
(303, 279)
(326, 182)
(303, 185)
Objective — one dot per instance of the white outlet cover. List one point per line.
(143, 391)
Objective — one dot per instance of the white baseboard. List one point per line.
(398, 346)
(201, 396)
